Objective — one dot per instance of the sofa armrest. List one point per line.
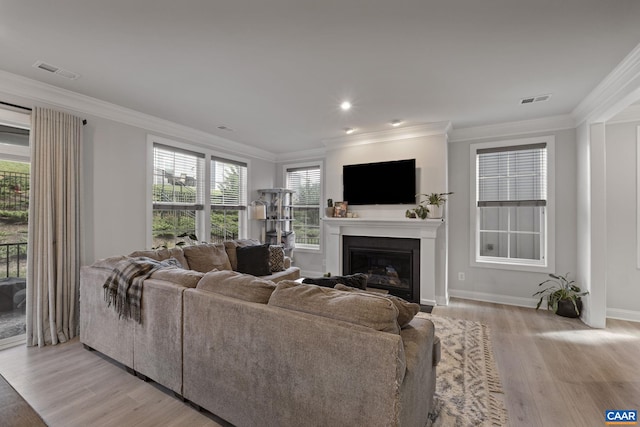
(419, 383)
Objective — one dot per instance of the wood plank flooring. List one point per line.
(557, 371)
(554, 371)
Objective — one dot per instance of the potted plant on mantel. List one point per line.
(563, 297)
(429, 208)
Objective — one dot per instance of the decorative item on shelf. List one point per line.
(564, 297)
(431, 207)
(340, 209)
(328, 211)
(258, 210)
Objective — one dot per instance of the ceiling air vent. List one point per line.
(532, 99)
(56, 70)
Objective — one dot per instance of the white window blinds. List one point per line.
(177, 178)
(228, 184)
(512, 176)
(306, 184)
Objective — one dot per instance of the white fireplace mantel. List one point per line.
(425, 230)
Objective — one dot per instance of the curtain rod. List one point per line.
(84, 121)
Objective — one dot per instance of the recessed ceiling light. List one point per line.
(345, 106)
(396, 122)
(349, 131)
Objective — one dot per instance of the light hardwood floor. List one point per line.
(554, 372)
(557, 371)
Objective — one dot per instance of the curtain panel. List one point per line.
(53, 266)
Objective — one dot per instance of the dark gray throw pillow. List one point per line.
(358, 280)
(254, 260)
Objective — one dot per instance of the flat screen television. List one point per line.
(382, 183)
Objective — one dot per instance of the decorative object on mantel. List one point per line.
(563, 297)
(340, 209)
(429, 208)
(328, 211)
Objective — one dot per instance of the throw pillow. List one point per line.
(179, 276)
(206, 257)
(358, 280)
(406, 310)
(360, 308)
(237, 285)
(276, 258)
(254, 260)
(232, 245)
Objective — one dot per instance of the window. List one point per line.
(228, 198)
(176, 193)
(512, 206)
(305, 181)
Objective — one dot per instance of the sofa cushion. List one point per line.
(363, 309)
(406, 310)
(237, 285)
(179, 276)
(231, 247)
(162, 254)
(206, 257)
(358, 280)
(254, 260)
(276, 258)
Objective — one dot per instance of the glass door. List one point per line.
(14, 214)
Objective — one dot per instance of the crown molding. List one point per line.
(302, 155)
(38, 92)
(618, 90)
(544, 124)
(417, 131)
(629, 114)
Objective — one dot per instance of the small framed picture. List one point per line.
(340, 209)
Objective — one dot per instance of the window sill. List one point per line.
(307, 249)
(513, 266)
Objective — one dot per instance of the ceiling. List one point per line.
(275, 71)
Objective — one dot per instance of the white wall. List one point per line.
(504, 286)
(430, 153)
(623, 276)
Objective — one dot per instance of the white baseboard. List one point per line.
(620, 314)
(495, 298)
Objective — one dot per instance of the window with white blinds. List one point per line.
(305, 181)
(228, 198)
(511, 202)
(177, 193)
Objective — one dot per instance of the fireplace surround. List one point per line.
(432, 274)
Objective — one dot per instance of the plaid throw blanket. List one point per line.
(123, 287)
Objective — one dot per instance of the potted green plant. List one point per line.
(564, 297)
(431, 207)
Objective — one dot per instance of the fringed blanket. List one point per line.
(123, 287)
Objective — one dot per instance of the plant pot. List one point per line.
(328, 212)
(435, 211)
(566, 308)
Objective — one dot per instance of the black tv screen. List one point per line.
(383, 183)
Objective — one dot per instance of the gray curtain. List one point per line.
(54, 224)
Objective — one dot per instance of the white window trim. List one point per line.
(204, 224)
(549, 243)
(299, 247)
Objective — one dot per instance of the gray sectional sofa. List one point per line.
(267, 351)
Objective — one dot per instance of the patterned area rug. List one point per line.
(468, 390)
